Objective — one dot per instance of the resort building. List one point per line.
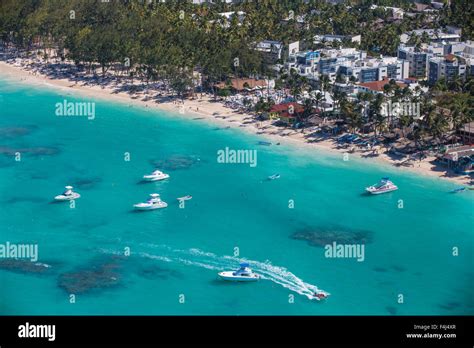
(397, 13)
(273, 50)
(447, 67)
(418, 60)
(467, 133)
(377, 86)
(433, 35)
(460, 159)
(332, 38)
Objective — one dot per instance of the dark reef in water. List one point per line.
(321, 236)
(86, 183)
(32, 151)
(449, 305)
(398, 268)
(24, 266)
(380, 269)
(392, 310)
(176, 162)
(15, 131)
(95, 276)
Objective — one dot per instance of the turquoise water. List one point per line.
(177, 252)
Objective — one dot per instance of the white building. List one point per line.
(434, 35)
(331, 38)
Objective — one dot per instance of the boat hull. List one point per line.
(228, 276)
(155, 178)
(149, 207)
(67, 198)
(374, 192)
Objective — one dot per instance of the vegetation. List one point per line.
(171, 41)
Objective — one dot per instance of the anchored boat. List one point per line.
(154, 202)
(67, 195)
(156, 176)
(384, 186)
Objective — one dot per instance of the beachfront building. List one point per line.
(377, 86)
(460, 158)
(241, 85)
(286, 113)
(466, 133)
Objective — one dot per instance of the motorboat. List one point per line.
(320, 295)
(67, 195)
(274, 176)
(156, 176)
(384, 186)
(185, 198)
(154, 202)
(243, 274)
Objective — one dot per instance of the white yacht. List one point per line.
(384, 186)
(67, 195)
(156, 176)
(154, 202)
(243, 274)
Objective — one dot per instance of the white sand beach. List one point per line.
(206, 108)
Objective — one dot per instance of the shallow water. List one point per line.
(177, 252)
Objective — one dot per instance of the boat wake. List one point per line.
(198, 258)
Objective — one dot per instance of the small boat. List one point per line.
(185, 198)
(384, 186)
(457, 190)
(243, 274)
(67, 195)
(320, 295)
(274, 176)
(266, 143)
(156, 176)
(154, 202)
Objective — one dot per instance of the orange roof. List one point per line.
(450, 57)
(283, 109)
(379, 85)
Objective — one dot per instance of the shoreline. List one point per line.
(215, 112)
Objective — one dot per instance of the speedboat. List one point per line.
(67, 195)
(243, 274)
(457, 190)
(320, 295)
(185, 198)
(384, 186)
(154, 202)
(274, 176)
(156, 176)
